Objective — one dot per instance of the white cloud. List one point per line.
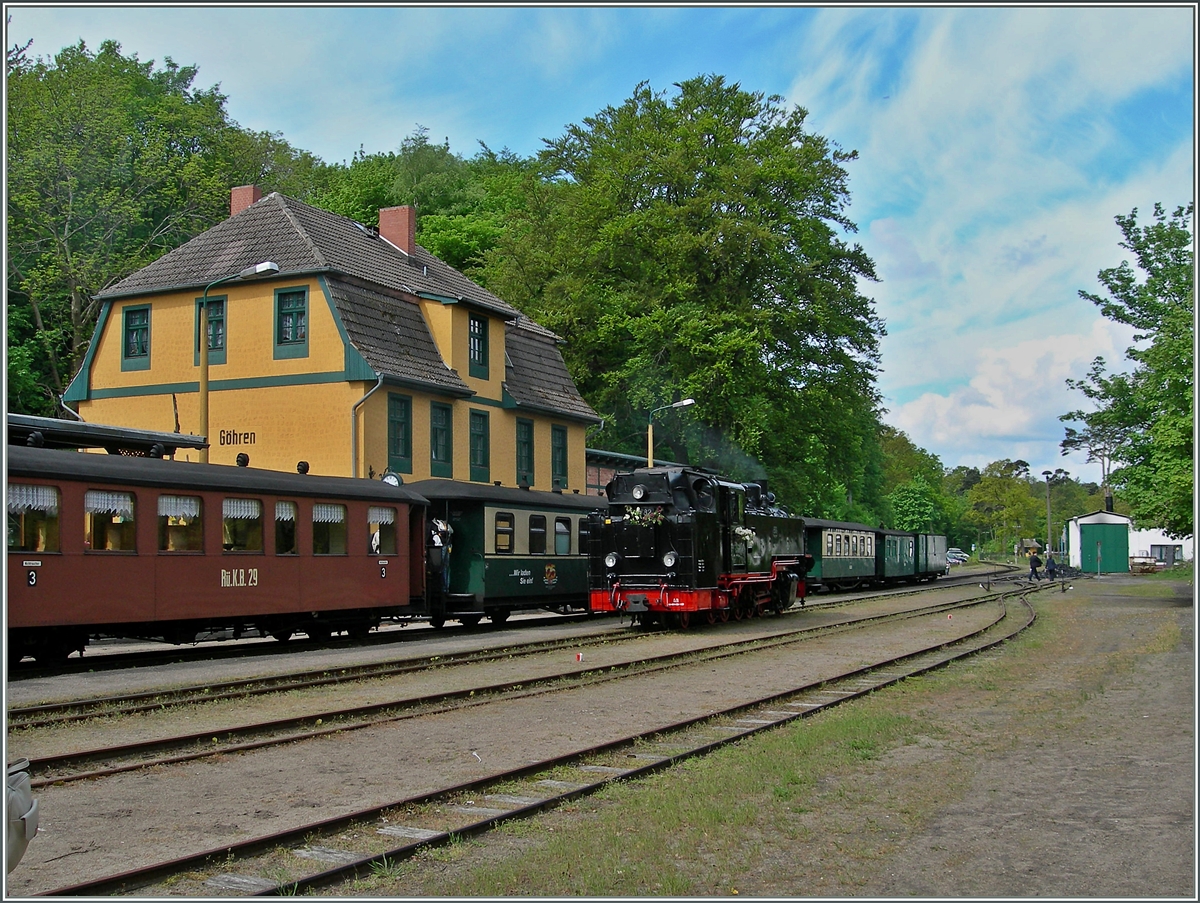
(1010, 407)
(994, 155)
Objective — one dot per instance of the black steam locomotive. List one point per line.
(678, 544)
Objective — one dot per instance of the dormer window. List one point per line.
(477, 346)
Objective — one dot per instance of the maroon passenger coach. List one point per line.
(146, 547)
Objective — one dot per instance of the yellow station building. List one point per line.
(363, 353)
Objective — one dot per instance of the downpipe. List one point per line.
(354, 428)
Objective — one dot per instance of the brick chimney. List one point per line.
(399, 226)
(242, 197)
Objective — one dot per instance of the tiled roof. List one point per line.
(301, 239)
(392, 337)
(389, 332)
(537, 377)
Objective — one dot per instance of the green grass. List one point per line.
(645, 837)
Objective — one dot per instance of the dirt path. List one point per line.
(1086, 781)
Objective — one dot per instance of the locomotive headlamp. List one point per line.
(611, 559)
(639, 492)
(669, 559)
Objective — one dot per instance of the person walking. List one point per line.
(1050, 565)
(1034, 564)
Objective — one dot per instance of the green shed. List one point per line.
(1098, 543)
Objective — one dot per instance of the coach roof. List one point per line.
(54, 464)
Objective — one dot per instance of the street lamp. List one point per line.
(266, 268)
(1047, 474)
(650, 427)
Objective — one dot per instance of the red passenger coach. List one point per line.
(145, 547)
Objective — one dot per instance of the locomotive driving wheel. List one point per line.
(684, 620)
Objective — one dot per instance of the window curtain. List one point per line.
(101, 501)
(23, 497)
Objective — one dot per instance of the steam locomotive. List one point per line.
(678, 544)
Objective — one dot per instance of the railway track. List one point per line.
(82, 709)
(225, 648)
(230, 647)
(333, 850)
(108, 760)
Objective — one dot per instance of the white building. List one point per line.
(1157, 544)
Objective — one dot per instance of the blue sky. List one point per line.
(996, 146)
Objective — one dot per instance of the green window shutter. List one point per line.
(558, 457)
(441, 440)
(525, 452)
(399, 433)
(480, 454)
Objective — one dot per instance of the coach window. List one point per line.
(180, 527)
(837, 545)
(829, 545)
(854, 545)
(381, 529)
(108, 521)
(241, 525)
(562, 536)
(584, 535)
(329, 529)
(285, 529)
(870, 546)
(32, 518)
(504, 533)
(537, 534)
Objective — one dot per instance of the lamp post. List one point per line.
(266, 268)
(650, 427)
(1047, 474)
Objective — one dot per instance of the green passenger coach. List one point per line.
(494, 550)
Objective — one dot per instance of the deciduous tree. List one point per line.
(112, 162)
(1143, 419)
(693, 245)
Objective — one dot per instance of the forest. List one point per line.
(686, 243)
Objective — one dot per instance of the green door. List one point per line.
(1104, 548)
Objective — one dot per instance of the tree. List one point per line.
(913, 505)
(461, 204)
(112, 162)
(1004, 505)
(690, 246)
(1143, 419)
